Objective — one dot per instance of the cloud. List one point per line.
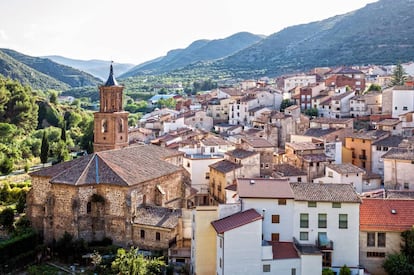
(3, 35)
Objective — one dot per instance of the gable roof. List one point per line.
(376, 214)
(125, 167)
(241, 153)
(157, 216)
(264, 188)
(236, 220)
(325, 192)
(399, 153)
(284, 250)
(345, 168)
(225, 166)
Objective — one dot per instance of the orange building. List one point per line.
(357, 149)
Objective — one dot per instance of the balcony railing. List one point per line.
(364, 157)
(325, 245)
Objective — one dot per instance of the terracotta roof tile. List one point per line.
(225, 166)
(376, 215)
(284, 250)
(241, 154)
(264, 188)
(236, 220)
(325, 192)
(157, 216)
(128, 166)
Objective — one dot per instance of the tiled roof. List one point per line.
(345, 168)
(319, 132)
(377, 215)
(157, 216)
(236, 220)
(391, 141)
(324, 192)
(303, 145)
(400, 194)
(225, 166)
(128, 166)
(287, 170)
(316, 157)
(264, 188)
(389, 122)
(284, 250)
(369, 135)
(214, 141)
(332, 120)
(241, 154)
(343, 95)
(399, 153)
(257, 142)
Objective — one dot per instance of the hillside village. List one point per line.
(280, 176)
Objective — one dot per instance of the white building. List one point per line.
(399, 169)
(379, 148)
(345, 173)
(298, 81)
(402, 100)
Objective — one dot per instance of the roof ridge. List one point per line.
(84, 170)
(112, 170)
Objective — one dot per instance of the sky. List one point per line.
(135, 31)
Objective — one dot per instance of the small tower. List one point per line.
(111, 122)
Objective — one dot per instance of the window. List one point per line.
(343, 221)
(88, 207)
(381, 240)
(293, 271)
(304, 236)
(370, 239)
(406, 185)
(142, 234)
(207, 175)
(221, 243)
(281, 201)
(275, 237)
(395, 108)
(266, 268)
(336, 205)
(299, 179)
(330, 174)
(311, 203)
(275, 218)
(188, 164)
(405, 108)
(221, 263)
(157, 236)
(304, 220)
(322, 220)
(375, 254)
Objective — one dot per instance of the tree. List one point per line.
(63, 131)
(399, 76)
(7, 217)
(44, 149)
(312, 112)
(285, 103)
(374, 87)
(397, 264)
(345, 270)
(407, 247)
(133, 263)
(53, 97)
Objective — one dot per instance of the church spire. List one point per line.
(111, 79)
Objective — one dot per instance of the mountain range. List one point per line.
(42, 73)
(380, 33)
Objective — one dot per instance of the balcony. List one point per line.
(363, 157)
(323, 243)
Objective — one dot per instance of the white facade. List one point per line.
(345, 240)
(402, 101)
(172, 125)
(198, 167)
(333, 177)
(269, 207)
(239, 250)
(298, 81)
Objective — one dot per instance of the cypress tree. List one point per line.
(44, 149)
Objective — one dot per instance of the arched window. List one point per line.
(104, 126)
(120, 125)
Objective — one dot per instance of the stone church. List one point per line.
(132, 194)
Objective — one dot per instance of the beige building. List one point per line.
(130, 194)
(398, 169)
(381, 223)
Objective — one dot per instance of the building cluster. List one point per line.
(236, 181)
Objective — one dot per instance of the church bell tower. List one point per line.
(111, 122)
